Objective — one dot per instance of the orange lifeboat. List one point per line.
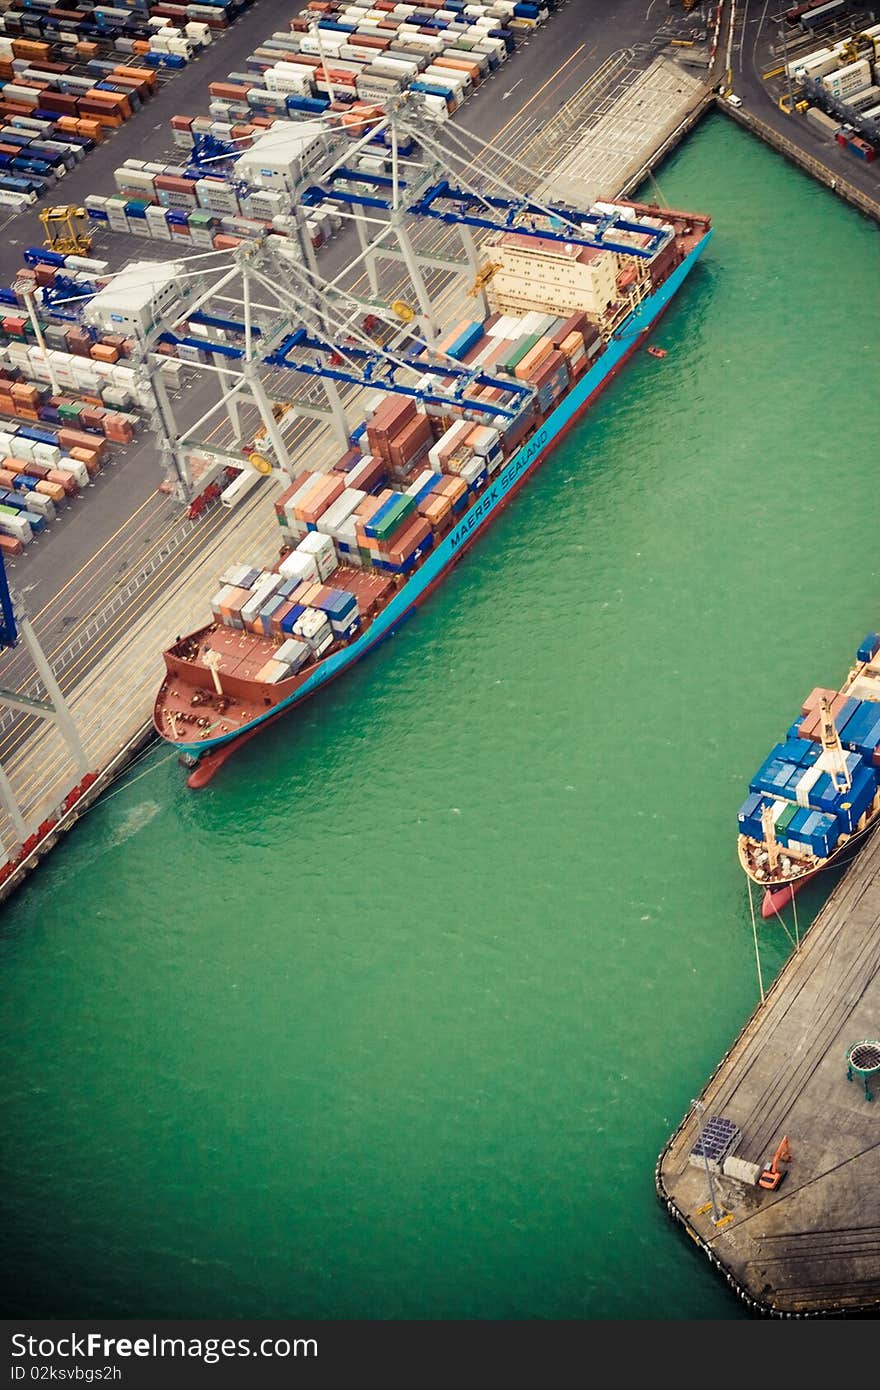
(657, 352)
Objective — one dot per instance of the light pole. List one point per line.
(700, 1108)
(784, 37)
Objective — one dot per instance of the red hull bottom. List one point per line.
(775, 902)
(211, 763)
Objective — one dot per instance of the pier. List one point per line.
(812, 1247)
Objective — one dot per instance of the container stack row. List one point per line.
(39, 469)
(842, 79)
(70, 76)
(546, 352)
(347, 53)
(63, 405)
(407, 478)
(289, 77)
(162, 202)
(81, 357)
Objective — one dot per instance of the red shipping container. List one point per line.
(413, 534)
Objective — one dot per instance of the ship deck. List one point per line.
(813, 1246)
(238, 655)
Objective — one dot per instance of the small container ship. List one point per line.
(363, 544)
(815, 798)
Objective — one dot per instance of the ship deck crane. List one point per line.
(831, 747)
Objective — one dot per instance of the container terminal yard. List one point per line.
(129, 559)
(585, 107)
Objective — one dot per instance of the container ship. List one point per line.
(815, 798)
(364, 543)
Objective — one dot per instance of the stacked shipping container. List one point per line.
(812, 805)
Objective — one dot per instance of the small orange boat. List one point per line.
(657, 352)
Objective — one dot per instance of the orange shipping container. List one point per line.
(234, 601)
(435, 507)
(89, 457)
(66, 480)
(107, 120)
(228, 91)
(543, 348)
(460, 65)
(572, 345)
(318, 498)
(147, 75)
(50, 489)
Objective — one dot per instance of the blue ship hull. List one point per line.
(475, 521)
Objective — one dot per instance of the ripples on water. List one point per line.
(394, 1018)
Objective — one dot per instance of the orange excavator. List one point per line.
(772, 1175)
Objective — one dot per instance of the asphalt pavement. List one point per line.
(757, 33)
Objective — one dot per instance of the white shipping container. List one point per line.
(260, 595)
(849, 79)
(448, 77)
(811, 64)
(424, 477)
(16, 526)
(300, 567)
(435, 105)
(76, 468)
(340, 510)
(471, 470)
(403, 68)
(805, 785)
(198, 33)
(316, 544)
(240, 487)
(47, 453)
(116, 217)
(489, 442)
(292, 653)
(43, 506)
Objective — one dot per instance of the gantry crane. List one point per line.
(65, 228)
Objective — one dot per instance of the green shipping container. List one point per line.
(524, 347)
(395, 515)
(785, 819)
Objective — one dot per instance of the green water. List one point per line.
(393, 1019)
